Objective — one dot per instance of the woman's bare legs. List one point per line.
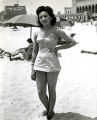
(41, 82)
(42, 78)
(52, 80)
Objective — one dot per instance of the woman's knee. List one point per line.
(41, 93)
(52, 90)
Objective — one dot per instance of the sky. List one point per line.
(32, 5)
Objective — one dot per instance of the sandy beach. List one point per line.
(76, 86)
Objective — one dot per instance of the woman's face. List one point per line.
(44, 18)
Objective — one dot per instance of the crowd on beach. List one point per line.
(26, 52)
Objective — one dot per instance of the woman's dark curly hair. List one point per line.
(49, 10)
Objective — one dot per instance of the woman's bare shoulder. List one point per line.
(56, 33)
(37, 32)
(59, 30)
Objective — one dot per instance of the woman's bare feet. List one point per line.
(50, 115)
(44, 113)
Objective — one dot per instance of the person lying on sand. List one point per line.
(23, 53)
(3, 53)
(89, 52)
(17, 55)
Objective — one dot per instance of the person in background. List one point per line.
(23, 53)
(28, 53)
(45, 63)
(89, 52)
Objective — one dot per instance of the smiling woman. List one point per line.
(45, 17)
(45, 63)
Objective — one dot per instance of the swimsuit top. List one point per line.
(48, 43)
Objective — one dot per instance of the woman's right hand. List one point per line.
(33, 75)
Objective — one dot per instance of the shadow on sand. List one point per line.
(71, 116)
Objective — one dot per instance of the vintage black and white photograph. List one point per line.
(48, 59)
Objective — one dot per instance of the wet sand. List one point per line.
(76, 86)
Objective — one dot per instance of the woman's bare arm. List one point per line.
(35, 48)
(65, 40)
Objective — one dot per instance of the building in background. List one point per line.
(11, 11)
(85, 9)
(67, 10)
(2, 16)
(81, 10)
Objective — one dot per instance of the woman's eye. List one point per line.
(40, 17)
(43, 17)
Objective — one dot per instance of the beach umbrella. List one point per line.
(23, 20)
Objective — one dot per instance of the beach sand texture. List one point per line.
(76, 86)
